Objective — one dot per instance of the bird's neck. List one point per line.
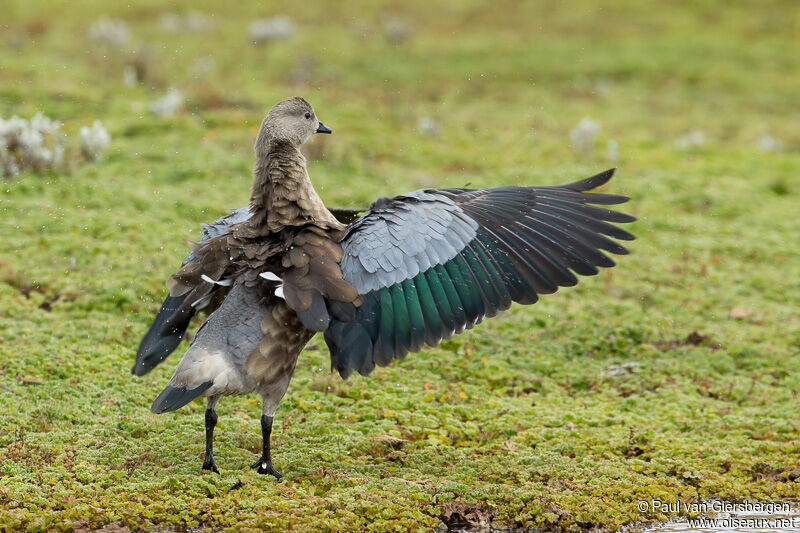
(283, 195)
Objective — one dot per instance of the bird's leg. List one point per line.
(264, 464)
(211, 421)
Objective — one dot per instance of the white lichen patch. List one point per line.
(583, 135)
(272, 29)
(768, 143)
(693, 139)
(94, 141)
(428, 126)
(111, 32)
(167, 105)
(193, 21)
(37, 144)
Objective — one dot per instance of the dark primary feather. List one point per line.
(431, 263)
(160, 341)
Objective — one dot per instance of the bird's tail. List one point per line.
(172, 398)
(164, 335)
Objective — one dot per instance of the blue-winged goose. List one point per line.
(415, 269)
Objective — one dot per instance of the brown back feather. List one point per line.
(276, 355)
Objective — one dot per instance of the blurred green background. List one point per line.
(560, 415)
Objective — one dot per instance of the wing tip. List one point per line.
(163, 336)
(150, 357)
(592, 182)
(141, 368)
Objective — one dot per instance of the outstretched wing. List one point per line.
(433, 262)
(167, 329)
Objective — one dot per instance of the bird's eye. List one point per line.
(308, 115)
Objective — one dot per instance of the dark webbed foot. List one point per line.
(264, 466)
(209, 464)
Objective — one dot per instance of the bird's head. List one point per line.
(292, 121)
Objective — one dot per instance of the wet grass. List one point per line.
(672, 376)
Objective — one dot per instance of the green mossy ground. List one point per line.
(528, 419)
